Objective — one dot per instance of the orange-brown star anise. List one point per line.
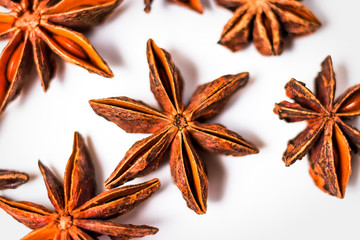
(267, 22)
(175, 128)
(79, 213)
(191, 4)
(327, 137)
(37, 27)
(12, 179)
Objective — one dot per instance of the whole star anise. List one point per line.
(79, 213)
(37, 27)
(191, 4)
(267, 22)
(12, 179)
(175, 127)
(327, 138)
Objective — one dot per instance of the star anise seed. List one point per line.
(327, 138)
(267, 22)
(191, 4)
(175, 128)
(12, 179)
(37, 28)
(79, 213)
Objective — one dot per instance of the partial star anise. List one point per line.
(175, 127)
(12, 179)
(327, 138)
(79, 213)
(267, 22)
(37, 27)
(191, 4)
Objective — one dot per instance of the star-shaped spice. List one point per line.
(267, 22)
(79, 213)
(37, 28)
(175, 128)
(327, 138)
(12, 179)
(191, 4)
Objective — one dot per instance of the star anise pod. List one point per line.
(175, 128)
(12, 179)
(79, 213)
(37, 28)
(191, 4)
(327, 138)
(267, 22)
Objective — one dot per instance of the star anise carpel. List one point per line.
(79, 214)
(39, 28)
(176, 128)
(268, 22)
(12, 179)
(194, 5)
(328, 138)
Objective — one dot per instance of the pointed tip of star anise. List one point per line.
(10, 179)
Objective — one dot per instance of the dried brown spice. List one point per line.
(175, 128)
(79, 213)
(12, 179)
(37, 28)
(191, 4)
(327, 138)
(268, 22)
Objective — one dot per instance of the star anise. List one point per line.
(267, 22)
(12, 179)
(327, 138)
(79, 213)
(191, 4)
(37, 27)
(176, 126)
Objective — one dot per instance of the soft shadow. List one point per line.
(206, 5)
(106, 50)
(235, 97)
(315, 8)
(96, 163)
(3, 116)
(55, 171)
(355, 166)
(187, 69)
(135, 214)
(32, 176)
(355, 158)
(288, 43)
(216, 174)
(342, 78)
(250, 137)
(114, 16)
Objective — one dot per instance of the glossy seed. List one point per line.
(13, 63)
(71, 47)
(351, 104)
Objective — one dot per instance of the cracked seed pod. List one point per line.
(39, 28)
(267, 22)
(328, 138)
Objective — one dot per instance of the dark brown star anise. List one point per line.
(267, 22)
(327, 138)
(12, 179)
(191, 4)
(175, 127)
(37, 27)
(79, 213)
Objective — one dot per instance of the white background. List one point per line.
(253, 197)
